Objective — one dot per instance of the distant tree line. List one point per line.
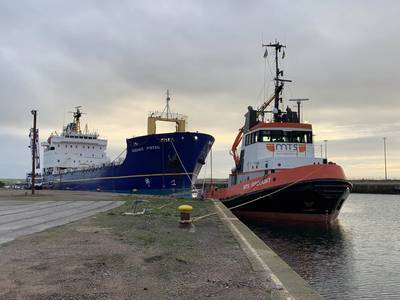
(2, 184)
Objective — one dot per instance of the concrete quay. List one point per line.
(144, 255)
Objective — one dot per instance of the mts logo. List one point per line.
(286, 147)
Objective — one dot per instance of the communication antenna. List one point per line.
(168, 99)
(299, 105)
(279, 81)
(166, 108)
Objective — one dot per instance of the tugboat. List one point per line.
(276, 174)
(165, 163)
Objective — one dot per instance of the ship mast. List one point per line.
(77, 116)
(279, 81)
(76, 124)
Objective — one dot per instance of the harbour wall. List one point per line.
(264, 259)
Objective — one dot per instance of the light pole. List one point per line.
(384, 154)
(326, 149)
(33, 145)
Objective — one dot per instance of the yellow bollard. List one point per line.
(185, 211)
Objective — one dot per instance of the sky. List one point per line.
(117, 59)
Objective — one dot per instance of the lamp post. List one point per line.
(384, 155)
(33, 145)
(326, 149)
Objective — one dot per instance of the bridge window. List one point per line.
(277, 136)
(301, 137)
(246, 139)
(281, 136)
(264, 136)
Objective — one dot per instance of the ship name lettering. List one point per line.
(256, 183)
(137, 149)
(155, 147)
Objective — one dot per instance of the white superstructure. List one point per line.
(73, 149)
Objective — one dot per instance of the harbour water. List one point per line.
(358, 257)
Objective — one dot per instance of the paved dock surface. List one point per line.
(144, 254)
(22, 217)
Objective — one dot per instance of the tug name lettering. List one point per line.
(256, 183)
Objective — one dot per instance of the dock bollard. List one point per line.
(185, 211)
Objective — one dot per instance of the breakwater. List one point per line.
(376, 186)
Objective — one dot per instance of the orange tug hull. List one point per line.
(314, 193)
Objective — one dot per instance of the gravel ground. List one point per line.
(149, 256)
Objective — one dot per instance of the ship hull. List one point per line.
(314, 198)
(160, 164)
(315, 201)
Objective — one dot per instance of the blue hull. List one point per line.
(161, 164)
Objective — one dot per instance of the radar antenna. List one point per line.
(299, 106)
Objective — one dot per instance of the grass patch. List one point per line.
(157, 233)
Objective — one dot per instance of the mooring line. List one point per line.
(195, 219)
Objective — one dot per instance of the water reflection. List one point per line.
(320, 253)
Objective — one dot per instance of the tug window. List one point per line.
(277, 136)
(280, 136)
(264, 136)
(301, 137)
(254, 137)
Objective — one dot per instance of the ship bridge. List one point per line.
(73, 148)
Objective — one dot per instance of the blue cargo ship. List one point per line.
(161, 164)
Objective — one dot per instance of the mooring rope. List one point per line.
(195, 219)
(119, 155)
(183, 166)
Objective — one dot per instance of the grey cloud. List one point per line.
(104, 55)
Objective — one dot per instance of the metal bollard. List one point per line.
(185, 211)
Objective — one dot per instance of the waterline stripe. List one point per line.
(118, 177)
